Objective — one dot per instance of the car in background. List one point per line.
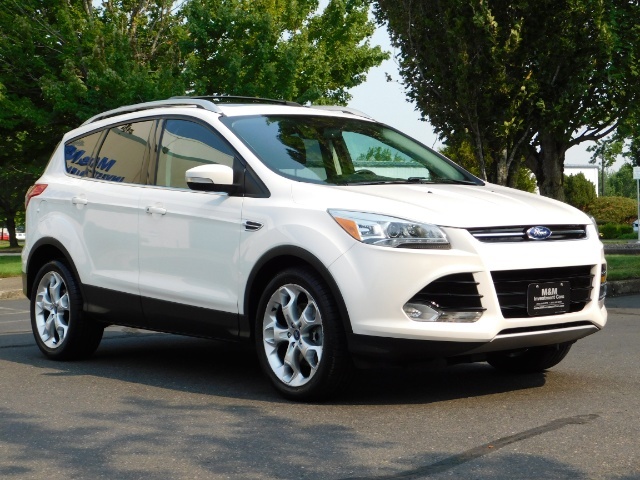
(635, 226)
(21, 235)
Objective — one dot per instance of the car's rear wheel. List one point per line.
(299, 336)
(531, 360)
(59, 325)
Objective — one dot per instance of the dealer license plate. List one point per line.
(548, 298)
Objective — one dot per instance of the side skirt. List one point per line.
(126, 309)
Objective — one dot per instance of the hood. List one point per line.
(463, 206)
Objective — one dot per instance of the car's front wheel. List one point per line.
(531, 360)
(299, 336)
(59, 325)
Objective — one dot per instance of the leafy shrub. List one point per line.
(612, 231)
(628, 236)
(624, 229)
(609, 231)
(618, 210)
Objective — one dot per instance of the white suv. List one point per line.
(326, 238)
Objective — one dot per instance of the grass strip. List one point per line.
(623, 267)
(10, 266)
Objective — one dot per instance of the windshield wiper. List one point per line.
(454, 182)
(392, 182)
(411, 180)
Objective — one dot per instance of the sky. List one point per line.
(387, 103)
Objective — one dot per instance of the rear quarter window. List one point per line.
(78, 154)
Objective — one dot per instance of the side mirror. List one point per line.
(211, 178)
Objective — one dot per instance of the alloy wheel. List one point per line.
(52, 310)
(293, 335)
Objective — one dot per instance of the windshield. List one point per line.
(342, 151)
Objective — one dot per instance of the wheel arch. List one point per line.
(277, 260)
(43, 251)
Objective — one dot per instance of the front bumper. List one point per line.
(376, 282)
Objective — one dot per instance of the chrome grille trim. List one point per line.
(518, 233)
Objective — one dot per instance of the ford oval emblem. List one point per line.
(538, 233)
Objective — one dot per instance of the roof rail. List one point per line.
(340, 108)
(171, 102)
(207, 102)
(236, 99)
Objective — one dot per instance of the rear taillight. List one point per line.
(34, 191)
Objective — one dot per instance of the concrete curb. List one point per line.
(622, 251)
(629, 248)
(11, 288)
(11, 294)
(623, 287)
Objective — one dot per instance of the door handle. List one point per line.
(158, 210)
(79, 201)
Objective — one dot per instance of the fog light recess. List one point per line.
(420, 312)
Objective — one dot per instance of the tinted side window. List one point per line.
(123, 153)
(185, 145)
(77, 154)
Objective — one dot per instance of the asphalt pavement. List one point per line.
(157, 406)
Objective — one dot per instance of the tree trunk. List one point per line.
(502, 169)
(514, 170)
(550, 166)
(478, 147)
(11, 227)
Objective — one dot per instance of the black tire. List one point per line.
(60, 327)
(532, 360)
(305, 352)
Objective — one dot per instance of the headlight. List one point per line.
(387, 231)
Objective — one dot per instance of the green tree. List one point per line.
(605, 154)
(524, 180)
(63, 61)
(13, 185)
(628, 133)
(455, 59)
(578, 191)
(279, 49)
(521, 77)
(621, 183)
(462, 153)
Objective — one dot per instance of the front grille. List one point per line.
(458, 292)
(511, 287)
(518, 233)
